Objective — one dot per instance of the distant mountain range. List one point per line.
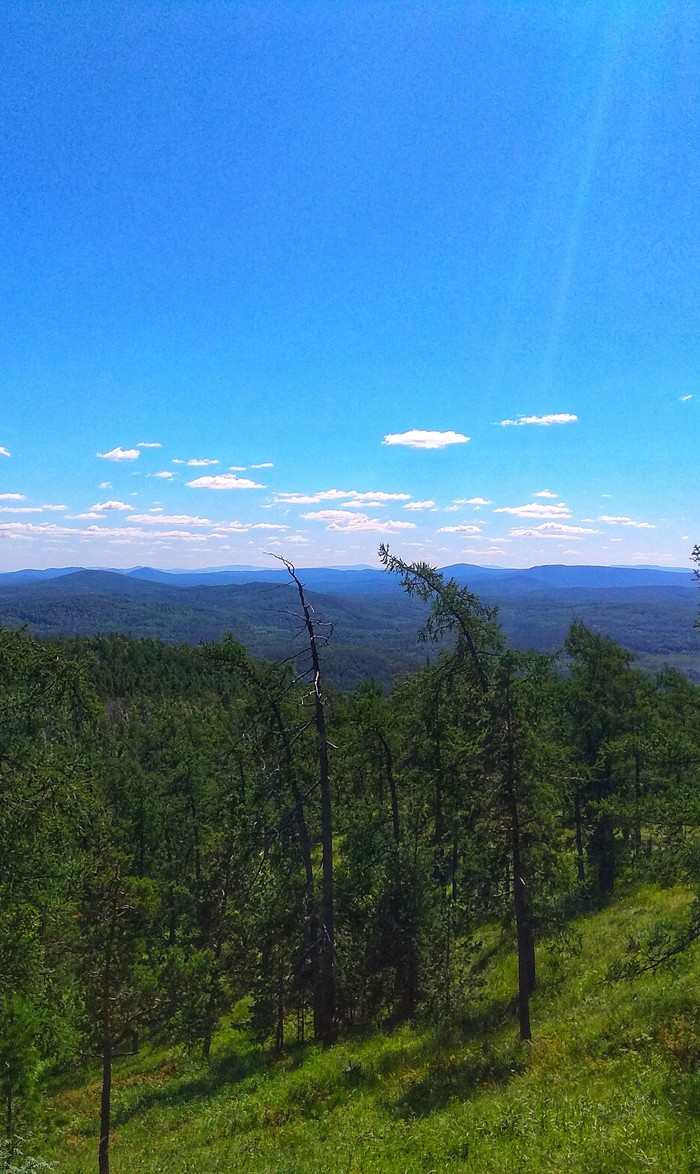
(649, 610)
(363, 580)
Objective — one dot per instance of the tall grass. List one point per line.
(611, 1083)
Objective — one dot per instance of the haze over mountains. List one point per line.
(375, 625)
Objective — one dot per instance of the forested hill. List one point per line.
(209, 861)
(649, 611)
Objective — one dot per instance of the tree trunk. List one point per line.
(637, 802)
(9, 1128)
(389, 759)
(325, 1027)
(523, 925)
(105, 1105)
(578, 826)
(107, 1043)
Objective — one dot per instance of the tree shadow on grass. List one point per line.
(231, 1069)
(459, 1078)
(454, 1062)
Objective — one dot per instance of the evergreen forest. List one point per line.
(249, 921)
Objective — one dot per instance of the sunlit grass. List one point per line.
(609, 1084)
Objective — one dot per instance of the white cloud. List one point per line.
(349, 497)
(362, 523)
(12, 497)
(420, 505)
(685, 398)
(105, 485)
(554, 418)
(111, 505)
(296, 540)
(419, 438)
(178, 461)
(545, 493)
(149, 444)
(459, 530)
(613, 521)
(481, 552)
(312, 498)
(263, 465)
(50, 530)
(224, 481)
(165, 475)
(536, 510)
(91, 515)
(475, 501)
(552, 530)
(200, 464)
(238, 468)
(21, 510)
(329, 515)
(169, 520)
(362, 498)
(4, 452)
(230, 528)
(349, 522)
(120, 454)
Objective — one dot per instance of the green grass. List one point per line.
(611, 1083)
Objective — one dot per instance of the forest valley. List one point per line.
(188, 831)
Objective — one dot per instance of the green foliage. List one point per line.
(162, 841)
(608, 1086)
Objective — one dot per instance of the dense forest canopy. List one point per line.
(186, 830)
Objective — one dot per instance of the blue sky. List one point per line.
(304, 277)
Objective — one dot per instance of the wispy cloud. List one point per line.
(483, 551)
(105, 485)
(552, 530)
(12, 497)
(536, 509)
(545, 493)
(4, 452)
(224, 481)
(545, 421)
(615, 521)
(420, 505)
(349, 497)
(169, 520)
(348, 522)
(165, 475)
(312, 498)
(200, 464)
(120, 454)
(475, 501)
(329, 515)
(32, 509)
(48, 530)
(459, 530)
(685, 398)
(263, 465)
(420, 438)
(149, 444)
(111, 505)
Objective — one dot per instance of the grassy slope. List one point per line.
(610, 1084)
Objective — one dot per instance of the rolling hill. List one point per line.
(375, 624)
